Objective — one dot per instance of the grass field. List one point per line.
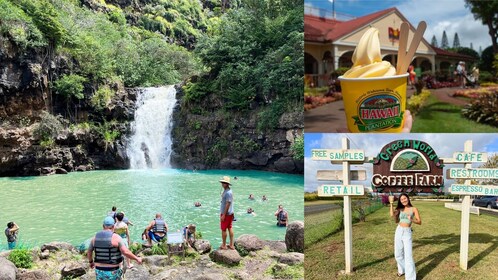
(436, 245)
(322, 202)
(437, 116)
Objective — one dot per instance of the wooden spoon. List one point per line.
(403, 41)
(417, 37)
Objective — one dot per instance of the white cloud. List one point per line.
(443, 143)
(449, 15)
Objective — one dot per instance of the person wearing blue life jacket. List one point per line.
(105, 253)
(282, 216)
(156, 230)
(404, 215)
(11, 233)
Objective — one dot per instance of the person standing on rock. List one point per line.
(226, 213)
(109, 250)
(121, 229)
(11, 233)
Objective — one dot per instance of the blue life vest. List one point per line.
(104, 251)
(160, 226)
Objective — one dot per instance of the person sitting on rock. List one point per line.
(156, 230)
(189, 234)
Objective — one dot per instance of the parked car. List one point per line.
(486, 201)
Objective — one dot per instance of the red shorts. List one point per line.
(227, 223)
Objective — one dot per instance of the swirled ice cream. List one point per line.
(367, 61)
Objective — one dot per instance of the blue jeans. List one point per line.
(403, 252)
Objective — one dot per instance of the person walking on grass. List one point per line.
(109, 250)
(226, 213)
(404, 215)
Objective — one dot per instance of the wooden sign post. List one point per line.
(467, 157)
(346, 157)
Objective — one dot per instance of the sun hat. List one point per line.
(225, 179)
(108, 221)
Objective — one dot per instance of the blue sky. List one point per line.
(444, 145)
(441, 15)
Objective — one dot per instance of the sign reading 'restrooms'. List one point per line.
(409, 166)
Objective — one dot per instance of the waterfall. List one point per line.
(150, 142)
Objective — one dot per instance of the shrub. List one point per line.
(485, 76)
(19, 26)
(416, 102)
(483, 109)
(48, 127)
(297, 148)
(70, 85)
(135, 248)
(310, 196)
(21, 258)
(102, 98)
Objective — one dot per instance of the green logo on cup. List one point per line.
(379, 112)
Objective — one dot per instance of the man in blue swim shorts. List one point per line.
(156, 230)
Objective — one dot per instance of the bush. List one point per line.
(21, 258)
(483, 109)
(102, 98)
(70, 85)
(416, 102)
(297, 147)
(48, 128)
(485, 76)
(19, 26)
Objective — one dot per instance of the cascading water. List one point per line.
(150, 143)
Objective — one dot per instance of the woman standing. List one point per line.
(404, 215)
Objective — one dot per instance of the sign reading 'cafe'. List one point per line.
(408, 166)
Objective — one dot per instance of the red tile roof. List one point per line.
(327, 30)
(441, 52)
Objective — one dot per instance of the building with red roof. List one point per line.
(329, 44)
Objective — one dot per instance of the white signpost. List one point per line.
(346, 157)
(467, 158)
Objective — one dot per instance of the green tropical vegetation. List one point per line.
(248, 53)
(21, 258)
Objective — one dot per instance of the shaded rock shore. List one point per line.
(252, 259)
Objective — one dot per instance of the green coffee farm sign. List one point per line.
(408, 166)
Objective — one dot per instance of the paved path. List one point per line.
(331, 118)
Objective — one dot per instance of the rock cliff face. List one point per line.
(232, 141)
(217, 140)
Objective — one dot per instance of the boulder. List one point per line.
(277, 246)
(33, 275)
(44, 254)
(165, 274)
(139, 272)
(249, 242)
(202, 246)
(285, 164)
(291, 258)
(8, 270)
(294, 237)
(211, 276)
(229, 257)
(259, 158)
(155, 260)
(57, 246)
(73, 270)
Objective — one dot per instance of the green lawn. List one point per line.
(436, 245)
(322, 202)
(437, 116)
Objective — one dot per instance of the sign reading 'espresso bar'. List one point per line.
(408, 166)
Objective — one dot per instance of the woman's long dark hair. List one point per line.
(400, 207)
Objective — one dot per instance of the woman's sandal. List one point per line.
(399, 275)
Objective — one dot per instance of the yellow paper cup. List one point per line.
(374, 104)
